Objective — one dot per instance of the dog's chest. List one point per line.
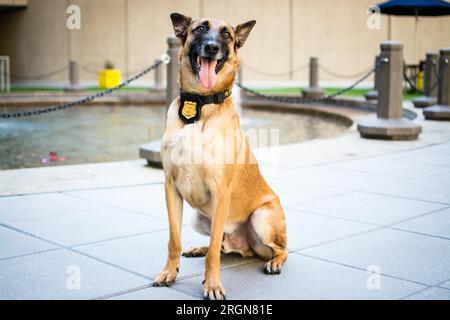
(187, 156)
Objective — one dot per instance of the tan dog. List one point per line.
(208, 163)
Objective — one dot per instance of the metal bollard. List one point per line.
(5, 79)
(441, 111)
(74, 76)
(390, 124)
(158, 77)
(173, 70)
(152, 151)
(313, 92)
(430, 78)
(239, 73)
(373, 95)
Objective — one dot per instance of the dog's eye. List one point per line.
(200, 29)
(227, 35)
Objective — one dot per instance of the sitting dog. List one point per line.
(208, 163)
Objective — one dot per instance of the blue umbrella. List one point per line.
(415, 7)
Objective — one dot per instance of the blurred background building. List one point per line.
(132, 33)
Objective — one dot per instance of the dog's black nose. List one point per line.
(212, 48)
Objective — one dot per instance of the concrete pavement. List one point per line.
(366, 220)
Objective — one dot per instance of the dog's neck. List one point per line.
(191, 104)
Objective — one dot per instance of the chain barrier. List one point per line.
(275, 74)
(164, 59)
(344, 76)
(298, 100)
(439, 74)
(93, 71)
(411, 83)
(40, 76)
(89, 70)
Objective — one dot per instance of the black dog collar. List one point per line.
(191, 104)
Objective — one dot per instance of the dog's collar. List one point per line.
(190, 107)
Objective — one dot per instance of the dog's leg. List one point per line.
(267, 236)
(213, 289)
(174, 203)
(202, 225)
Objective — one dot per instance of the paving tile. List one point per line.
(445, 284)
(302, 278)
(431, 188)
(387, 165)
(371, 208)
(292, 193)
(161, 293)
(13, 243)
(146, 254)
(431, 294)
(425, 156)
(440, 148)
(306, 230)
(84, 227)
(47, 276)
(329, 176)
(41, 205)
(402, 254)
(435, 224)
(148, 200)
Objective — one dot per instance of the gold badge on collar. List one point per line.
(189, 109)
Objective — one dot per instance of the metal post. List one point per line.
(390, 123)
(7, 74)
(5, 80)
(239, 79)
(313, 91)
(152, 151)
(74, 76)
(173, 70)
(373, 95)
(430, 78)
(441, 111)
(158, 77)
(2, 75)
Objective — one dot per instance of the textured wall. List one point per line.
(132, 33)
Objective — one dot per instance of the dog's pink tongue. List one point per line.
(208, 73)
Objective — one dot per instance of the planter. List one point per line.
(109, 78)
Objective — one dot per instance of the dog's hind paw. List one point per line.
(195, 252)
(165, 279)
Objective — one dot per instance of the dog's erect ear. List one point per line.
(181, 25)
(242, 31)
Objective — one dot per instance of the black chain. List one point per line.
(343, 76)
(297, 100)
(411, 84)
(40, 76)
(439, 74)
(81, 101)
(275, 74)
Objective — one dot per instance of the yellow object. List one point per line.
(189, 109)
(109, 78)
(419, 80)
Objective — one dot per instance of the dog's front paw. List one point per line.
(165, 278)
(213, 290)
(273, 267)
